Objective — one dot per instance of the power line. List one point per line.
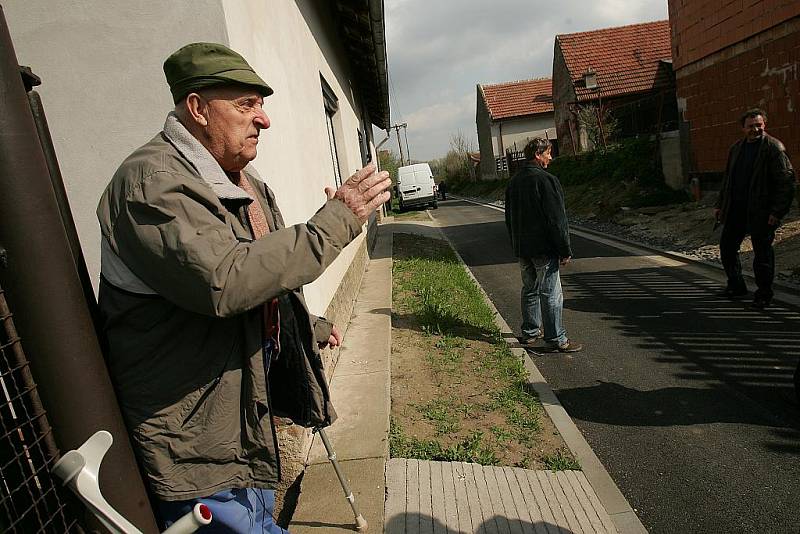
(393, 99)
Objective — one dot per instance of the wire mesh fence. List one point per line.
(31, 501)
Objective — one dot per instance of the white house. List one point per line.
(508, 115)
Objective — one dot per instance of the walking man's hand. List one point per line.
(564, 261)
(363, 192)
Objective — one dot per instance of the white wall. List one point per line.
(105, 94)
(287, 44)
(519, 131)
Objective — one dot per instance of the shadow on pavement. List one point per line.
(678, 317)
(416, 523)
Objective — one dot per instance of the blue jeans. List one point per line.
(236, 511)
(542, 299)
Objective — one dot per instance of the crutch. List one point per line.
(79, 470)
(361, 523)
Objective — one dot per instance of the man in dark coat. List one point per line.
(201, 296)
(756, 194)
(537, 224)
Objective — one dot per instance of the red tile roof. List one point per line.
(626, 59)
(517, 99)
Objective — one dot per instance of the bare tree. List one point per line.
(457, 165)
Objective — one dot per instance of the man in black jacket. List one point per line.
(756, 194)
(537, 224)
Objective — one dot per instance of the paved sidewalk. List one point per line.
(360, 394)
(431, 497)
(463, 498)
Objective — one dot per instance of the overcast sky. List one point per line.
(440, 49)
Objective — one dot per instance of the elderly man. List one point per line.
(200, 291)
(537, 225)
(756, 194)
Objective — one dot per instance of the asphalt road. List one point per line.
(686, 398)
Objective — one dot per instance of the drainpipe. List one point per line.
(388, 135)
(46, 141)
(44, 290)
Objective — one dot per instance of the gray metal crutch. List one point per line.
(361, 523)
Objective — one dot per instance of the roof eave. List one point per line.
(525, 116)
(361, 23)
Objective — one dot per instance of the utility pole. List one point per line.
(408, 150)
(399, 142)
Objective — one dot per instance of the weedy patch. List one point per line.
(458, 392)
(561, 460)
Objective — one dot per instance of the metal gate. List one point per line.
(30, 500)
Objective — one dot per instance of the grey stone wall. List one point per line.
(294, 441)
(563, 96)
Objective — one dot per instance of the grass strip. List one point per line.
(499, 421)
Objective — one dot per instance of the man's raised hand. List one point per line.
(363, 192)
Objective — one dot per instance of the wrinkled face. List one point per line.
(754, 127)
(234, 120)
(544, 158)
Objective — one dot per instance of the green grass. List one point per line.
(441, 294)
(561, 461)
(432, 288)
(446, 359)
(472, 449)
(443, 413)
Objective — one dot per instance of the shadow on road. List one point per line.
(678, 317)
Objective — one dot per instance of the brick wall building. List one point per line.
(729, 56)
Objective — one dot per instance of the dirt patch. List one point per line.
(456, 388)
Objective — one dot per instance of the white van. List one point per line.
(415, 186)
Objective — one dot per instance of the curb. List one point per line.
(625, 519)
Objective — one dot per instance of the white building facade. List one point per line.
(508, 115)
(105, 94)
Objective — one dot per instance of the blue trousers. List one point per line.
(542, 299)
(236, 511)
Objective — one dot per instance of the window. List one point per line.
(331, 108)
(362, 144)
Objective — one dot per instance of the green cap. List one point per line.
(200, 65)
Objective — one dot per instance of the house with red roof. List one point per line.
(625, 71)
(507, 116)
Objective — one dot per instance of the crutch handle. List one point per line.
(199, 516)
(79, 469)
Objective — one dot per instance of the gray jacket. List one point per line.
(181, 293)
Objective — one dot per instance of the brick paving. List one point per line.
(425, 497)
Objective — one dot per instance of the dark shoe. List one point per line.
(759, 303)
(530, 341)
(567, 346)
(734, 292)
